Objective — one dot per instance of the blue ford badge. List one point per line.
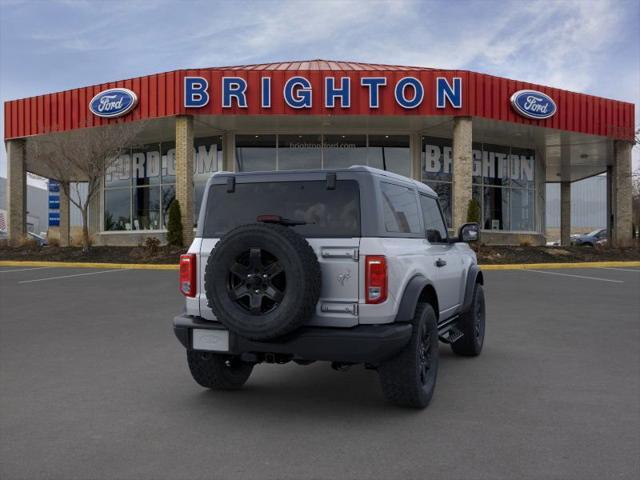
(114, 102)
(533, 104)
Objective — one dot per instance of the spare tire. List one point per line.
(262, 281)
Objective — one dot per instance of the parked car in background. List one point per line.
(591, 239)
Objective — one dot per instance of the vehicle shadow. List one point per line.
(278, 391)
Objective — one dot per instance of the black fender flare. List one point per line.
(410, 298)
(474, 275)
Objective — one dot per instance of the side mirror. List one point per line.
(469, 232)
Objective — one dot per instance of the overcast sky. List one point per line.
(581, 45)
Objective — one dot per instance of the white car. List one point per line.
(348, 266)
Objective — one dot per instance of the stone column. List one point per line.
(462, 169)
(621, 235)
(65, 216)
(16, 191)
(229, 152)
(184, 174)
(565, 213)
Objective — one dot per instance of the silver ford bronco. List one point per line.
(348, 266)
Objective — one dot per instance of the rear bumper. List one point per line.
(361, 344)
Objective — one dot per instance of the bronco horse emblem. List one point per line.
(343, 277)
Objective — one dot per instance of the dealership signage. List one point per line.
(113, 103)
(533, 104)
(150, 163)
(298, 93)
(487, 163)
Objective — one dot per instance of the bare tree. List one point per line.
(82, 156)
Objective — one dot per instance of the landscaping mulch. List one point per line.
(487, 255)
(500, 255)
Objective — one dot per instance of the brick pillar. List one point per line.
(621, 185)
(229, 152)
(565, 213)
(184, 174)
(65, 216)
(462, 169)
(16, 191)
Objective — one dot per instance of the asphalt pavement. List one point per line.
(94, 385)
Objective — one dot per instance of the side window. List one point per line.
(434, 226)
(401, 213)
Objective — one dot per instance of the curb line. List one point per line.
(151, 266)
(129, 266)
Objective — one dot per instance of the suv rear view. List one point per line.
(320, 265)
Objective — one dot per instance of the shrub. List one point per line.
(152, 246)
(174, 226)
(473, 212)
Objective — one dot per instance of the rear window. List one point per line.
(328, 213)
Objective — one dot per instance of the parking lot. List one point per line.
(93, 384)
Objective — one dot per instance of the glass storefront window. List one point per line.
(255, 153)
(145, 165)
(168, 162)
(299, 152)
(206, 161)
(495, 165)
(390, 152)
(168, 195)
(117, 205)
(522, 167)
(118, 174)
(521, 210)
(436, 159)
(146, 208)
(343, 151)
(500, 176)
(496, 208)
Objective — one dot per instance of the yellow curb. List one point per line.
(151, 266)
(525, 266)
(131, 266)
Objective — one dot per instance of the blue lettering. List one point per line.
(297, 92)
(234, 87)
(374, 84)
(331, 92)
(400, 92)
(266, 92)
(445, 92)
(195, 92)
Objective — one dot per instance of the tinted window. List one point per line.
(433, 221)
(328, 213)
(400, 209)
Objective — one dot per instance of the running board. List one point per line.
(448, 331)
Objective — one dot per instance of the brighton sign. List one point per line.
(533, 104)
(298, 93)
(113, 103)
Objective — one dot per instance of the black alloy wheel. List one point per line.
(257, 281)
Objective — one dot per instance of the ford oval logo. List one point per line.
(533, 104)
(114, 102)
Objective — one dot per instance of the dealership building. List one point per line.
(470, 136)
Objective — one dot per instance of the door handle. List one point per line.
(440, 263)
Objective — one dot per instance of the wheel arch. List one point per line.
(473, 276)
(419, 289)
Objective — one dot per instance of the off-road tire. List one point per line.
(472, 325)
(218, 372)
(403, 381)
(300, 293)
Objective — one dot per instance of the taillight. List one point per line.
(188, 274)
(375, 279)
